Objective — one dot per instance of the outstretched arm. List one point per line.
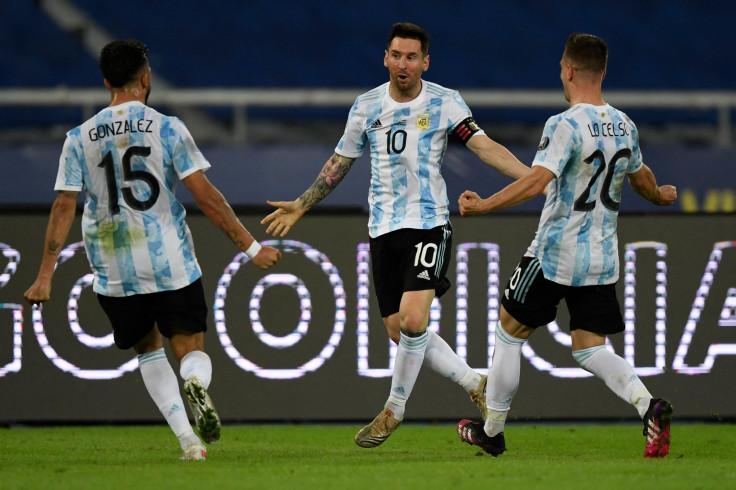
(497, 156)
(289, 212)
(644, 183)
(57, 231)
(217, 209)
(515, 193)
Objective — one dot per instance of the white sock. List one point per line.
(443, 360)
(503, 379)
(409, 358)
(162, 385)
(197, 363)
(617, 373)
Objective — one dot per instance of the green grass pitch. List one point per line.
(417, 456)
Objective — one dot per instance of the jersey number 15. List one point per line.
(129, 175)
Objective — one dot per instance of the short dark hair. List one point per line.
(120, 61)
(587, 52)
(407, 30)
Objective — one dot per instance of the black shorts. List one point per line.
(133, 317)
(410, 260)
(532, 300)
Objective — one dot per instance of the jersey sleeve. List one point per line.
(354, 139)
(556, 146)
(69, 175)
(636, 161)
(185, 155)
(461, 119)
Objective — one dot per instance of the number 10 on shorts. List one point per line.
(423, 250)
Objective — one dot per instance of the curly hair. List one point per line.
(120, 61)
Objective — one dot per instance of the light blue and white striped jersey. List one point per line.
(590, 149)
(407, 142)
(129, 159)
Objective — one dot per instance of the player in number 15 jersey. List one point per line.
(129, 159)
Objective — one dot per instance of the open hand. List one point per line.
(286, 216)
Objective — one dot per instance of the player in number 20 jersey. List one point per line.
(583, 158)
(135, 234)
(590, 149)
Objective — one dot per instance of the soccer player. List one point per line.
(406, 122)
(128, 158)
(582, 159)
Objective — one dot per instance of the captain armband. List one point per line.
(465, 129)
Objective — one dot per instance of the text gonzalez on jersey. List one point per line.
(120, 127)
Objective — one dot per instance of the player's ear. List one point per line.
(425, 63)
(569, 72)
(107, 84)
(144, 79)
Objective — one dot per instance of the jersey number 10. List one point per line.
(393, 142)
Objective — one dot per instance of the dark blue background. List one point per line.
(293, 43)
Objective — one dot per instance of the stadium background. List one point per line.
(689, 293)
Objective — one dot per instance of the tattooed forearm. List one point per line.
(52, 247)
(332, 173)
(233, 233)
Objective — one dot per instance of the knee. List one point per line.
(151, 342)
(392, 327)
(413, 321)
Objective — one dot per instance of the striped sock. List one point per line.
(409, 358)
(444, 361)
(617, 373)
(503, 379)
(196, 363)
(162, 385)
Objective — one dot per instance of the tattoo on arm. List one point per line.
(233, 234)
(52, 247)
(331, 175)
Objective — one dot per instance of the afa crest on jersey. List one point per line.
(423, 121)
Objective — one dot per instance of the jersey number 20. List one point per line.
(581, 203)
